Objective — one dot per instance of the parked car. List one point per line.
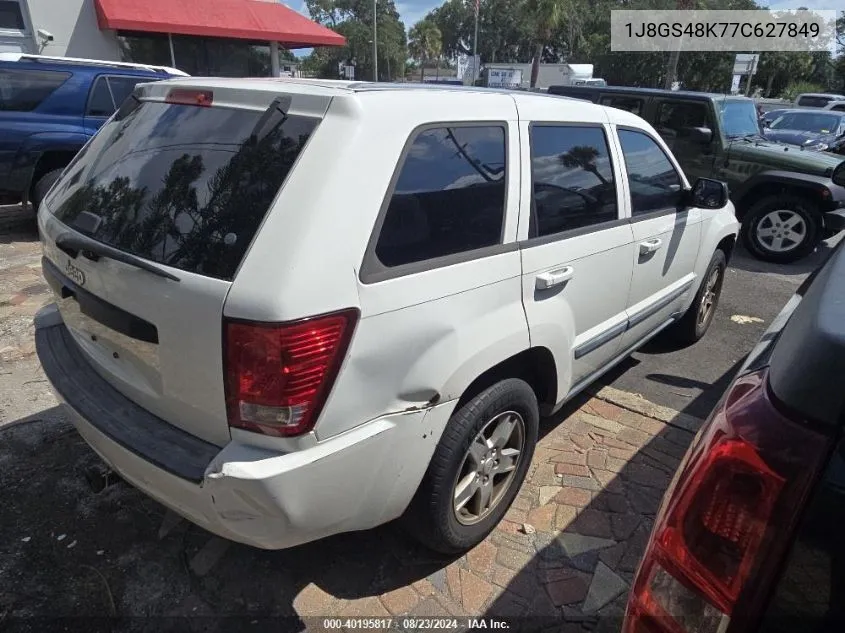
(770, 115)
(749, 535)
(49, 108)
(816, 99)
(839, 106)
(816, 130)
(281, 341)
(782, 195)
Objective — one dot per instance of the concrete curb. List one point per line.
(636, 403)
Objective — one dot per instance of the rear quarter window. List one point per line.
(183, 186)
(449, 196)
(25, 90)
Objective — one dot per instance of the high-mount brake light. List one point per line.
(188, 96)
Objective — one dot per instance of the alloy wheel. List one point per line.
(781, 231)
(488, 468)
(710, 296)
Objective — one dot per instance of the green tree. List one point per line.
(546, 16)
(425, 43)
(504, 29)
(354, 20)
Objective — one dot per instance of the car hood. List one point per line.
(800, 137)
(780, 156)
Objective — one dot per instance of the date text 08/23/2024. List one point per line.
(414, 624)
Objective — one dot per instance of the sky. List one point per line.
(411, 11)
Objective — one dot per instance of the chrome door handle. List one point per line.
(650, 246)
(554, 278)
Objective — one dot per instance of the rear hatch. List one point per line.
(146, 230)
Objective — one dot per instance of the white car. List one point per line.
(838, 106)
(287, 309)
(816, 99)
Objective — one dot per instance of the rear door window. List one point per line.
(25, 90)
(180, 185)
(573, 179)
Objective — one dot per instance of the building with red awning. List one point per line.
(200, 37)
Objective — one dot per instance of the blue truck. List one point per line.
(49, 108)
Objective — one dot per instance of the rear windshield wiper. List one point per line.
(92, 249)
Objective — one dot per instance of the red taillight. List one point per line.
(726, 518)
(278, 375)
(186, 96)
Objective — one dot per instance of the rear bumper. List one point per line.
(267, 499)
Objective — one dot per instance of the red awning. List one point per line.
(238, 19)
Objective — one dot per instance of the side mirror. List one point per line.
(708, 194)
(701, 135)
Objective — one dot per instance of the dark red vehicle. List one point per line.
(750, 537)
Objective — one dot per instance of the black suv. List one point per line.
(749, 537)
(783, 194)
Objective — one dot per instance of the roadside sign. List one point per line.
(504, 77)
(746, 63)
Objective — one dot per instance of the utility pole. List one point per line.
(752, 68)
(475, 63)
(375, 40)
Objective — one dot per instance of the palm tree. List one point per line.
(425, 43)
(583, 156)
(547, 17)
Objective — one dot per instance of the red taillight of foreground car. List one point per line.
(279, 375)
(727, 517)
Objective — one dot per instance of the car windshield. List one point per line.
(739, 118)
(807, 122)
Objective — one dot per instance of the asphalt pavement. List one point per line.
(693, 379)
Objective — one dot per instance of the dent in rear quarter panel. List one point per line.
(810, 593)
(431, 352)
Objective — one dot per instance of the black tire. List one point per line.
(759, 217)
(42, 186)
(693, 325)
(431, 517)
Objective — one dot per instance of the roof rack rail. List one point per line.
(15, 57)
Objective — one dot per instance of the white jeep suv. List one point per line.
(288, 309)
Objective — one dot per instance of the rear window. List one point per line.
(183, 186)
(25, 90)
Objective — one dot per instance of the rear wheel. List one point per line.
(477, 468)
(782, 229)
(42, 186)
